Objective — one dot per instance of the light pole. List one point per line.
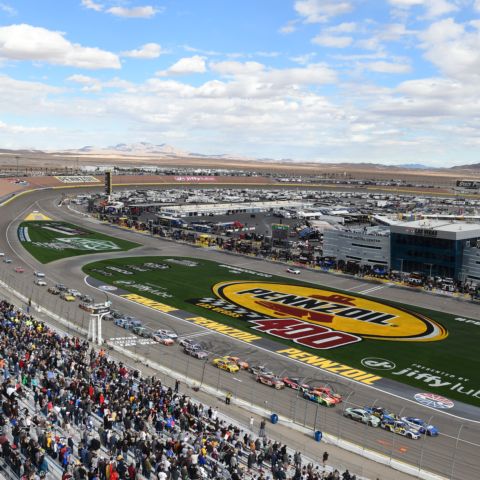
(455, 451)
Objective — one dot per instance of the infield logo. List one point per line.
(376, 363)
(311, 316)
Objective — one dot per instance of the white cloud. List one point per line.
(135, 12)
(8, 9)
(149, 50)
(26, 42)
(387, 67)
(476, 6)
(344, 27)
(231, 68)
(19, 129)
(433, 8)
(333, 41)
(289, 27)
(185, 66)
(92, 5)
(453, 49)
(319, 11)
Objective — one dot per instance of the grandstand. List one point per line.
(70, 411)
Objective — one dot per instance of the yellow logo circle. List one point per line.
(338, 311)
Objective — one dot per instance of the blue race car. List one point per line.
(381, 413)
(422, 426)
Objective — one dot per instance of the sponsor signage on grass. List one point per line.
(434, 401)
(376, 363)
(321, 318)
(94, 244)
(77, 179)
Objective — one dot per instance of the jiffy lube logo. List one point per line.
(325, 319)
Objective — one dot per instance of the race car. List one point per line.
(185, 342)
(400, 428)
(74, 292)
(271, 381)
(295, 271)
(361, 415)
(421, 426)
(53, 291)
(328, 391)
(40, 282)
(61, 287)
(323, 399)
(163, 339)
(295, 384)
(168, 333)
(259, 370)
(86, 298)
(86, 307)
(141, 331)
(196, 352)
(19, 269)
(382, 413)
(223, 364)
(240, 363)
(67, 297)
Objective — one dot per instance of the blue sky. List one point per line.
(384, 81)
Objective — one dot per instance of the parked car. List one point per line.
(421, 426)
(163, 339)
(40, 282)
(295, 271)
(259, 370)
(271, 381)
(361, 415)
(400, 428)
(19, 269)
(223, 364)
(53, 290)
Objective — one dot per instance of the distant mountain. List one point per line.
(414, 166)
(473, 166)
(140, 149)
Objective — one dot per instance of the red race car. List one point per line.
(328, 391)
(294, 383)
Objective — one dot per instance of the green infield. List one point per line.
(433, 351)
(48, 240)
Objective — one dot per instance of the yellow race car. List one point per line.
(224, 365)
(67, 297)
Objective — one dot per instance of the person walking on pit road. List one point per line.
(228, 398)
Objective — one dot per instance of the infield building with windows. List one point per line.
(435, 248)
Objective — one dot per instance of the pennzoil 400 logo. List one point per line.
(318, 318)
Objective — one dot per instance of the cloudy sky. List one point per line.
(390, 81)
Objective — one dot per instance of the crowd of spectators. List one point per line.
(65, 404)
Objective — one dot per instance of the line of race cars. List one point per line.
(409, 427)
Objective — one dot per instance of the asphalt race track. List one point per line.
(444, 455)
